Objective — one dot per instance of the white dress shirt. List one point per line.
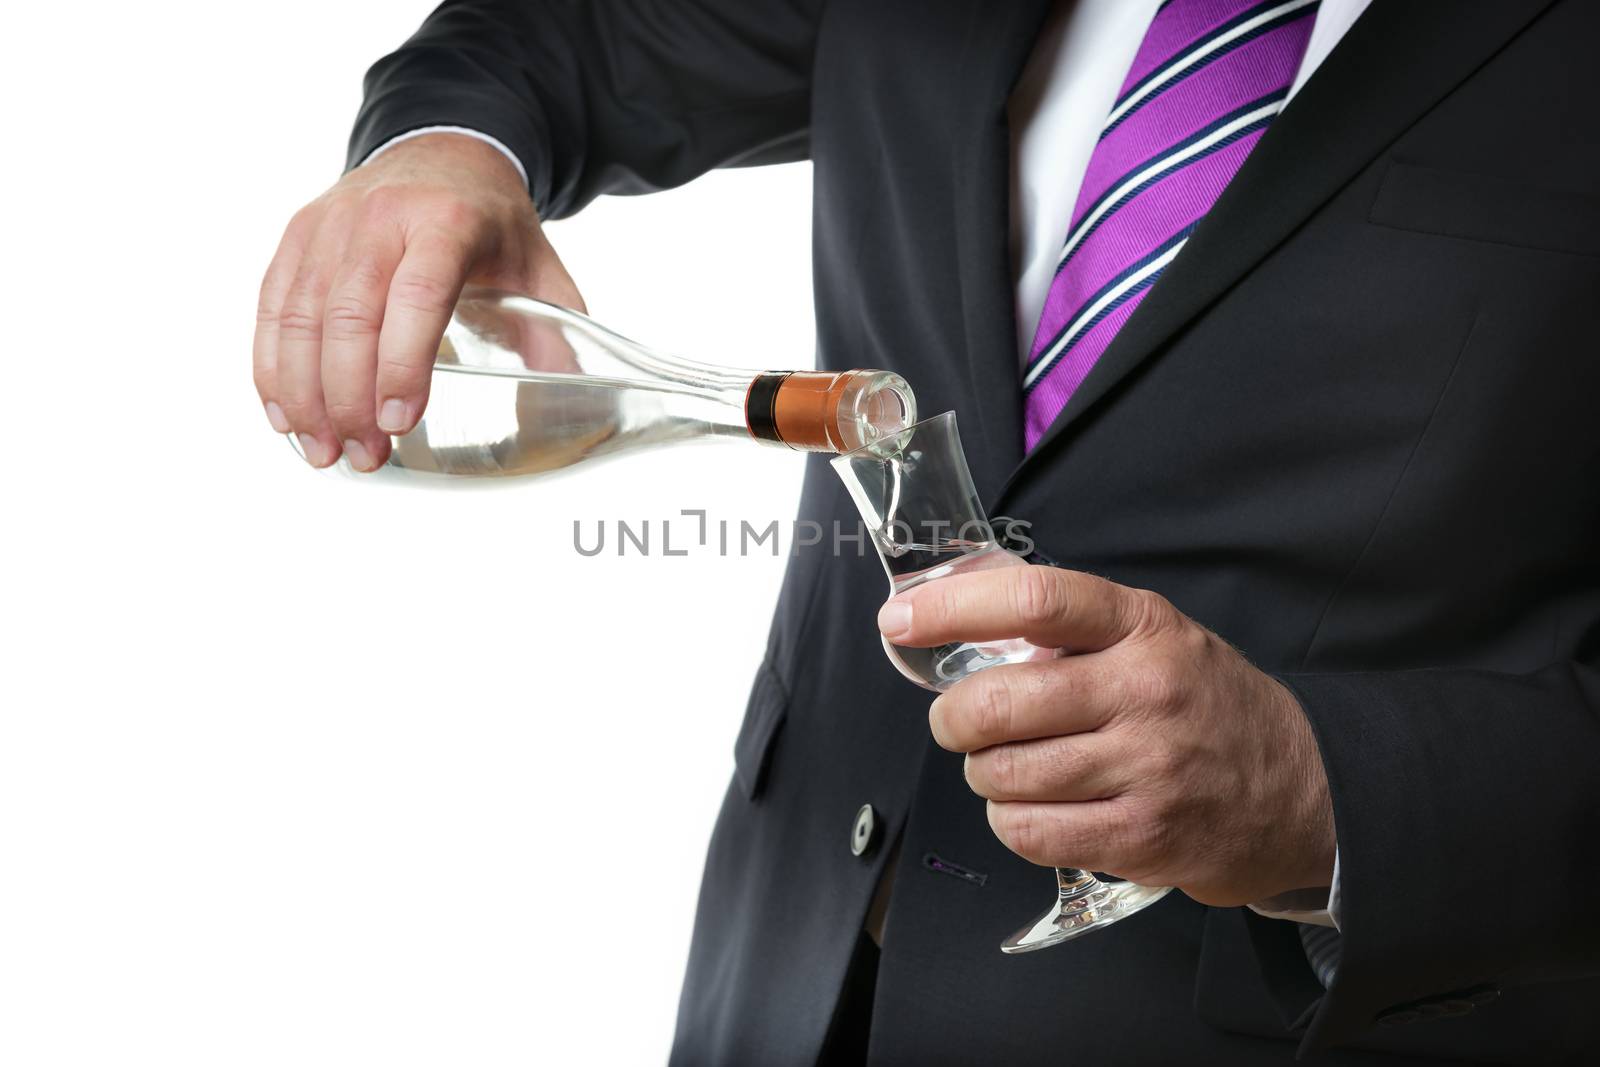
(1061, 100)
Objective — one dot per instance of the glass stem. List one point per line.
(1072, 883)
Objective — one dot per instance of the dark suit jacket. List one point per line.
(1354, 429)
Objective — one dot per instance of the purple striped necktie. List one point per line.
(1209, 77)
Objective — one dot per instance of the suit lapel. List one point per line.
(998, 40)
(1396, 62)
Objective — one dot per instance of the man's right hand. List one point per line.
(364, 281)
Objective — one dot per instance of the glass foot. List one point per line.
(1084, 904)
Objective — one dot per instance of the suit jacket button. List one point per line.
(864, 830)
(1399, 1016)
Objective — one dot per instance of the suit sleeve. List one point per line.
(604, 96)
(1468, 812)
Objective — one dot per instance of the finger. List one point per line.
(1019, 702)
(264, 347)
(1100, 835)
(1077, 768)
(300, 356)
(422, 296)
(1048, 606)
(352, 322)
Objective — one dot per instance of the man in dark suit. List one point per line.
(1321, 500)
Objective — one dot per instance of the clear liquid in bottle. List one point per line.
(521, 388)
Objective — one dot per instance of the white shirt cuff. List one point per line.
(1305, 905)
(465, 132)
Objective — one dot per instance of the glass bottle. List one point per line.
(521, 388)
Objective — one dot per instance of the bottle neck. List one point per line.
(761, 406)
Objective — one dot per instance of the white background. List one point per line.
(299, 771)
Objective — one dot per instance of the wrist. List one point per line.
(1312, 842)
(458, 149)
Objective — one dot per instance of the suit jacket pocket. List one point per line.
(1479, 207)
(769, 703)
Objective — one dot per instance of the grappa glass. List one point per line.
(916, 496)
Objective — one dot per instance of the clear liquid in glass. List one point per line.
(943, 666)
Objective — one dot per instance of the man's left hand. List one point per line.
(1151, 749)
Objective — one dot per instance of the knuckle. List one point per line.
(1150, 612)
(1155, 686)
(1066, 760)
(398, 372)
(298, 319)
(302, 222)
(454, 213)
(1143, 842)
(993, 712)
(304, 412)
(1195, 642)
(1160, 763)
(1038, 595)
(1017, 826)
(1004, 772)
(351, 316)
(936, 607)
(365, 275)
(336, 211)
(349, 414)
(384, 201)
(422, 292)
(1027, 838)
(1154, 806)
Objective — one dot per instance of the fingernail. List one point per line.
(315, 453)
(275, 416)
(894, 619)
(357, 454)
(392, 416)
